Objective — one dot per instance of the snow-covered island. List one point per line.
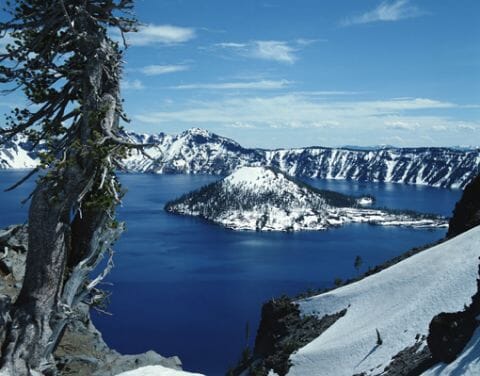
(264, 199)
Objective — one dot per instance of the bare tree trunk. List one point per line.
(38, 306)
(49, 294)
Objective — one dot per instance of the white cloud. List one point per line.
(240, 125)
(329, 120)
(231, 45)
(272, 50)
(295, 111)
(308, 42)
(160, 34)
(327, 93)
(155, 70)
(440, 128)
(253, 85)
(401, 125)
(132, 85)
(388, 10)
(462, 127)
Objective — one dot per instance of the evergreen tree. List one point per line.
(68, 66)
(358, 263)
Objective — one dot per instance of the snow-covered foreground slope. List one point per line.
(197, 151)
(157, 371)
(399, 302)
(259, 198)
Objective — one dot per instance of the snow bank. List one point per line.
(399, 301)
(157, 371)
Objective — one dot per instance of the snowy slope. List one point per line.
(260, 198)
(197, 151)
(16, 154)
(157, 371)
(399, 301)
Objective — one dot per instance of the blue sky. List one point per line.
(282, 73)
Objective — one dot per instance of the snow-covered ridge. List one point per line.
(17, 153)
(197, 151)
(263, 199)
(399, 302)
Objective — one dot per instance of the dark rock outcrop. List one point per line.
(450, 332)
(411, 361)
(282, 331)
(467, 211)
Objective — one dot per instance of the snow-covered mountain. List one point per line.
(263, 199)
(201, 152)
(197, 151)
(17, 153)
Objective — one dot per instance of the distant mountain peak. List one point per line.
(198, 132)
(253, 177)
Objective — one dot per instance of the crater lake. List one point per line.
(182, 286)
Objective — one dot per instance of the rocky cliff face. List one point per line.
(82, 351)
(467, 211)
(197, 151)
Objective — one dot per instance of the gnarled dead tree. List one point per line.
(69, 68)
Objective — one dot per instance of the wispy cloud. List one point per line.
(331, 120)
(388, 10)
(401, 125)
(132, 85)
(160, 34)
(294, 110)
(240, 125)
(273, 50)
(156, 70)
(253, 85)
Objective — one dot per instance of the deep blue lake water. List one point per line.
(184, 287)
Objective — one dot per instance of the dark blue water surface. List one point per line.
(184, 287)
